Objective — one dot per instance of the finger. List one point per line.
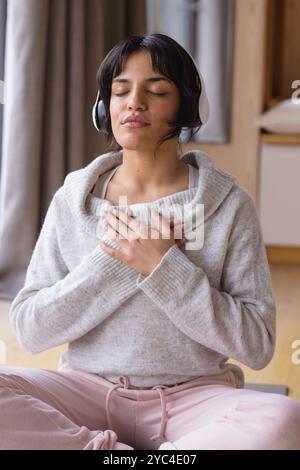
(110, 232)
(129, 212)
(138, 229)
(159, 223)
(166, 225)
(178, 229)
(154, 221)
(124, 215)
(181, 241)
(117, 254)
(123, 232)
(127, 220)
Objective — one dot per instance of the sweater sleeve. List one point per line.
(238, 320)
(56, 306)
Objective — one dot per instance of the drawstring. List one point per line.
(124, 383)
(164, 414)
(114, 387)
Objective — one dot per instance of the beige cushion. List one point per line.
(284, 118)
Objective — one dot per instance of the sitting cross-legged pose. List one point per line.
(151, 266)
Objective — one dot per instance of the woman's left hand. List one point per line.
(139, 250)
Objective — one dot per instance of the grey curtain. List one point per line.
(3, 4)
(205, 29)
(53, 50)
(213, 54)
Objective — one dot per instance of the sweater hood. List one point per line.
(213, 187)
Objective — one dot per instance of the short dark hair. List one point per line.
(170, 59)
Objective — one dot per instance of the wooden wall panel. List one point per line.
(239, 157)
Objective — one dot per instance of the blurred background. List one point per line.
(249, 55)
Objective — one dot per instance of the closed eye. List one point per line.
(152, 92)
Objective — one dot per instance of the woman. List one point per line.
(151, 317)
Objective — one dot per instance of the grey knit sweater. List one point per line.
(196, 309)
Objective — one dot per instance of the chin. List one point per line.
(136, 144)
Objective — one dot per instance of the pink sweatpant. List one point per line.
(72, 409)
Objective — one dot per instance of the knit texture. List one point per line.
(194, 311)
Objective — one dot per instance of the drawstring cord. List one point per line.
(164, 414)
(124, 383)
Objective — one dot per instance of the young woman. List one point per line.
(150, 315)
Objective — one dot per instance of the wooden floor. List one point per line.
(281, 370)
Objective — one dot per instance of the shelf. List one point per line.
(282, 254)
(285, 139)
(282, 52)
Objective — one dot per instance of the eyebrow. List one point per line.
(150, 79)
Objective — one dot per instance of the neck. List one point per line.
(143, 172)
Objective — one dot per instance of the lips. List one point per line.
(135, 121)
(135, 125)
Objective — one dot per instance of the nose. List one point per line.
(136, 100)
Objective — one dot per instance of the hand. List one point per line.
(139, 250)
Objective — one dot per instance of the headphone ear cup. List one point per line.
(102, 117)
(99, 115)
